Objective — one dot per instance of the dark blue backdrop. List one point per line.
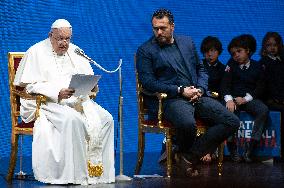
(111, 29)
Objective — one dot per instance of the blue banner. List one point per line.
(270, 142)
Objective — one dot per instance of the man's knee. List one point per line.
(233, 122)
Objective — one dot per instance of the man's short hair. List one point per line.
(210, 42)
(161, 13)
(245, 41)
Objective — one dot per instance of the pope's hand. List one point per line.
(65, 93)
(95, 89)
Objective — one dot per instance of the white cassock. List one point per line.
(64, 139)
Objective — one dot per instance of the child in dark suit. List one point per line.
(211, 48)
(241, 87)
(272, 58)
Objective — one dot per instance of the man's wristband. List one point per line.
(201, 90)
(181, 90)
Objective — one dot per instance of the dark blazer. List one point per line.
(158, 74)
(237, 83)
(215, 74)
(274, 78)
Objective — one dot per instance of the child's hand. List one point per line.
(231, 106)
(240, 100)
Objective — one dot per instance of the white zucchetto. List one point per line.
(60, 23)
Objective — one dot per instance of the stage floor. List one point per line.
(268, 174)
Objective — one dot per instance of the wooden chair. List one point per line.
(160, 126)
(18, 126)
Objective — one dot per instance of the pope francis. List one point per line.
(73, 136)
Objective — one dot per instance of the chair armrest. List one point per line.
(160, 97)
(212, 94)
(40, 99)
(156, 94)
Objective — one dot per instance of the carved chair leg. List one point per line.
(169, 154)
(220, 158)
(13, 159)
(141, 147)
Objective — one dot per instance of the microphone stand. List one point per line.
(21, 174)
(82, 53)
(121, 177)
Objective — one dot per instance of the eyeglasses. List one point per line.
(62, 39)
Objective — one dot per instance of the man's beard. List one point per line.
(163, 40)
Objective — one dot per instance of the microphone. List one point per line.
(80, 52)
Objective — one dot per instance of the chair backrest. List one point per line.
(142, 110)
(14, 59)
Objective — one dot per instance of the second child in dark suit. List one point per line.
(241, 87)
(272, 58)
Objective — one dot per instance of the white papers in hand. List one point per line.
(83, 84)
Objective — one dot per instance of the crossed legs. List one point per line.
(221, 122)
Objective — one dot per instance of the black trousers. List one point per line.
(222, 123)
(260, 112)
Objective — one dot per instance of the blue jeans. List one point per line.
(222, 123)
